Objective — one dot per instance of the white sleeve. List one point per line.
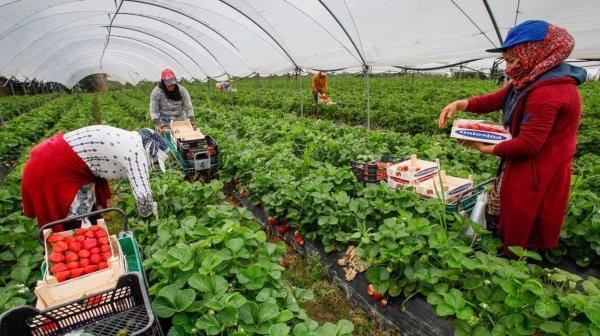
(138, 173)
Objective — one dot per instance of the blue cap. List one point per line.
(528, 31)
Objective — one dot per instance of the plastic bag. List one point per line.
(478, 213)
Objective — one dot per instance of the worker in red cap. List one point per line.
(170, 101)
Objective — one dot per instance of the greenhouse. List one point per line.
(299, 167)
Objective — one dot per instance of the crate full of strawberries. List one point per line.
(479, 130)
(78, 262)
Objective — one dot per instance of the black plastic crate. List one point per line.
(373, 171)
(102, 314)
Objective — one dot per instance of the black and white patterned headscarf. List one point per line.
(156, 147)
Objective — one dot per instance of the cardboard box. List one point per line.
(184, 131)
(51, 293)
(479, 130)
(413, 169)
(451, 186)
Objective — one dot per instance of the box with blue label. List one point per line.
(411, 171)
(479, 130)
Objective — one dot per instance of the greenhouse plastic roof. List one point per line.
(132, 40)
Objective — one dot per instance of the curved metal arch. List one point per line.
(264, 30)
(126, 60)
(50, 57)
(215, 59)
(438, 67)
(59, 73)
(20, 25)
(58, 31)
(345, 32)
(110, 29)
(113, 63)
(207, 25)
(167, 42)
(323, 28)
(45, 36)
(82, 38)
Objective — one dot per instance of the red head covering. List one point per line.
(535, 58)
(168, 76)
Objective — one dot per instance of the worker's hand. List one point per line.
(450, 110)
(193, 123)
(162, 130)
(480, 146)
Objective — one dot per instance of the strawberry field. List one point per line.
(212, 268)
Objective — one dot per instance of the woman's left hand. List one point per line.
(480, 146)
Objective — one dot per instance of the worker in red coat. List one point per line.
(542, 108)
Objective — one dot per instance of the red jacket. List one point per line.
(537, 174)
(51, 178)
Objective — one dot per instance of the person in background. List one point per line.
(542, 107)
(67, 174)
(318, 85)
(170, 101)
(226, 86)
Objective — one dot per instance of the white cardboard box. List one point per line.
(452, 186)
(479, 130)
(413, 169)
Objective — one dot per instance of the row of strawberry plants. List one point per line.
(11, 107)
(210, 267)
(405, 240)
(28, 128)
(408, 104)
(21, 252)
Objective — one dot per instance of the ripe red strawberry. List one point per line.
(62, 276)
(84, 262)
(75, 246)
(95, 228)
(105, 248)
(106, 256)
(370, 289)
(80, 232)
(100, 233)
(54, 238)
(90, 243)
(102, 265)
(71, 256)
(72, 265)
(95, 258)
(84, 254)
(56, 257)
(282, 229)
(94, 300)
(68, 239)
(103, 241)
(91, 269)
(80, 239)
(76, 272)
(60, 247)
(60, 267)
(273, 221)
(95, 250)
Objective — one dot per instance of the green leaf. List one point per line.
(184, 299)
(284, 315)
(454, 299)
(210, 323)
(534, 286)
(551, 327)
(590, 288)
(162, 307)
(279, 329)
(235, 300)
(20, 274)
(592, 311)
(235, 244)
(228, 316)
(267, 311)
(181, 253)
(464, 313)
(210, 285)
(444, 309)
(546, 309)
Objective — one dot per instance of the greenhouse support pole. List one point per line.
(24, 88)
(12, 89)
(258, 89)
(366, 71)
(489, 10)
(297, 73)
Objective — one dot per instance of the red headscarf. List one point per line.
(535, 58)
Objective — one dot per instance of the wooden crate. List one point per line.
(51, 293)
(183, 131)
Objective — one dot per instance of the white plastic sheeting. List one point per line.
(132, 40)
